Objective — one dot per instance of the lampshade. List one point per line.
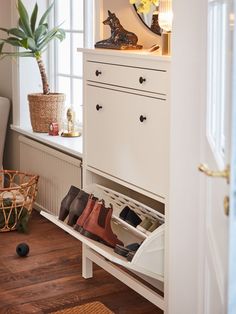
(165, 15)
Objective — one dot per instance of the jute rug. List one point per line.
(89, 308)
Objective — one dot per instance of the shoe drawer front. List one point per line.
(127, 137)
(149, 80)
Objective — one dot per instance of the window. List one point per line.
(63, 62)
(217, 77)
(67, 61)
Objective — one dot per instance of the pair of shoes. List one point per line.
(73, 205)
(148, 226)
(77, 207)
(95, 223)
(127, 251)
(130, 216)
(66, 202)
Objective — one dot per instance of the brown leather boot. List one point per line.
(67, 200)
(98, 226)
(86, 212)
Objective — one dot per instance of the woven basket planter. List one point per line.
(17, 194)
(45, 109)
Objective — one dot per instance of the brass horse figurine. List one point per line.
(120, 37)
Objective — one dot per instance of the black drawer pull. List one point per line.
(142, 80)
(98, 107)
(98, 73)
(142, 118)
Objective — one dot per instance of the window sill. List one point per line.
(72, 146)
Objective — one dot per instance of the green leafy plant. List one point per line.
(31, 38)
(14, 216)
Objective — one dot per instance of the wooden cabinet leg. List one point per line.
(87, 264)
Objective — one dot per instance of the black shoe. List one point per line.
(124, 212)
(133, 246)
(66, 202)
(77, 206)
(124, 251)
(121, 250)
(130, 216)
(130, 256)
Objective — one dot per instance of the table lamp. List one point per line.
(165, 22)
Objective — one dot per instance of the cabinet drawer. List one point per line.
(149, 80)
(127, 137)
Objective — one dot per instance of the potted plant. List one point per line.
(31, 39)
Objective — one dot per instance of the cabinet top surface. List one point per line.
(135, 54)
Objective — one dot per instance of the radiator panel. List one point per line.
(57, 172)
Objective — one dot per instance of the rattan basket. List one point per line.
(45, 109)
(17, 194)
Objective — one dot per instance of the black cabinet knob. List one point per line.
(98, 107)
(98, 73)
(142, 118)
(142, 80)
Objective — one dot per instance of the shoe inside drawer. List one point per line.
(148, 259)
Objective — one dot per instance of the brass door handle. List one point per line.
(226, 205)
(211, 173)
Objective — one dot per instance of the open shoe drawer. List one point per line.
(149, 258)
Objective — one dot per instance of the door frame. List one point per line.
(232, 228)
(188, 116)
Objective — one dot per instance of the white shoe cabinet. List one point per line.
(127, 118)
(126, 149)
(126, 161)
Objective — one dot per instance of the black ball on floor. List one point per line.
(22, 249)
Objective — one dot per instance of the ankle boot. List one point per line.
(77, 206)
(86, 212)
(98, 226)
(67, 200)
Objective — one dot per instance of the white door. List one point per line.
(232, 227)
(217, 154)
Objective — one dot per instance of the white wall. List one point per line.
(11, 156)
(5, 65)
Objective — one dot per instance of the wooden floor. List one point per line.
(50, 277)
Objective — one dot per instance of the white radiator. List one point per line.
(57, 172)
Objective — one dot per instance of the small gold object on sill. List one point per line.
(70, 134)
(70, 130)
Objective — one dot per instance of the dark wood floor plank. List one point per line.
(50, 277)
